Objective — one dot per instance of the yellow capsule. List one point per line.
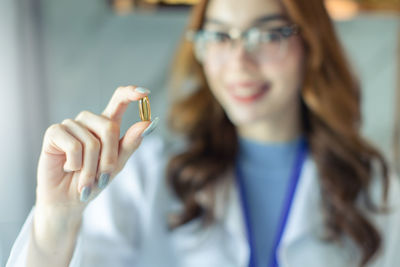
(144, 109)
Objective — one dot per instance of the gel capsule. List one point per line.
(144, 109)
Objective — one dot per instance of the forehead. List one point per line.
(241, 13)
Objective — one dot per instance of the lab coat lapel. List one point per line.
(302, 243)
(304, 218)
(233, 220)
(305, 213)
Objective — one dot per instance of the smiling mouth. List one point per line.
(247, 92)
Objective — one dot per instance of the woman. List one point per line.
(273, 170)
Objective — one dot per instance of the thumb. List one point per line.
(133, 138)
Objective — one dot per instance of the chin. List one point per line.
(243, 118)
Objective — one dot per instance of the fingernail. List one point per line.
(85, 193)
(150, 128)
(142, 90)
(103, 180)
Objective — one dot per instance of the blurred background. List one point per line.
(59, 57)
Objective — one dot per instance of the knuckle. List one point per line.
(120, 89)
(82, 114)
(75, 147)
(67, 122)
(93, 145)
(110, 129)
(53, 129)
(56, 126)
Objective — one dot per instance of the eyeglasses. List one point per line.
(260, 44)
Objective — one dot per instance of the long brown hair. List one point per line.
(330, 98)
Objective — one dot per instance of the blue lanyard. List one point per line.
(299, 162)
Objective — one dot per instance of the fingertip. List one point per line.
(103, 180)
(142, 90)
(85, 193)
(150, 128)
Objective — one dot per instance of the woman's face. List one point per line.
(252, 86)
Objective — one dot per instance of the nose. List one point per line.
(239, 56)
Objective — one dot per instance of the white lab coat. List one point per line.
(126, 225)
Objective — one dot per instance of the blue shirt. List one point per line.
(266, 169)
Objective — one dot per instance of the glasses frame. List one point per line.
(235, 35)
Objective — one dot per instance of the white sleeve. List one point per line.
(111, 231)
(20, 247)
(19, 250)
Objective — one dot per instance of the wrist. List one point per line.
(55, 227)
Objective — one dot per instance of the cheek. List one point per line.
(212, 68)
(214, 74)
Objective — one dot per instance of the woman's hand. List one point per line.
(78, 158)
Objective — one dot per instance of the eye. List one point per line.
(269, 36)
(273, 36)
(255, 35)
(215, 36)
(221, 37)
(287, 31)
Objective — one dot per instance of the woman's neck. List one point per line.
(282, 128)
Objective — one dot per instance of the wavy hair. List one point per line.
(331, 119)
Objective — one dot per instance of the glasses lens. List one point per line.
(270, 46)
(210, 45)
(262, 45)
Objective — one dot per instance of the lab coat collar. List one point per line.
(305, 215)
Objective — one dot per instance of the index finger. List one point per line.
(121, 99)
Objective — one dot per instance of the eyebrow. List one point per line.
(256, 22)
